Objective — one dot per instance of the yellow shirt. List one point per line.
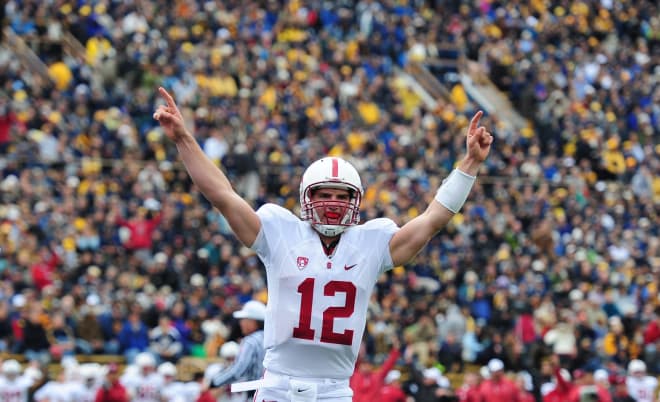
(61, 74)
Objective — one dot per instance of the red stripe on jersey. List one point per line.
(335, 167)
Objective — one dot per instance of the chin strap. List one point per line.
(329, 230)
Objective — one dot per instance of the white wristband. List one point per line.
(455, 190)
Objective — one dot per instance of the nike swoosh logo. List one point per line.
(302, 389)
(347, 267)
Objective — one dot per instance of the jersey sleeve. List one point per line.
(277, 224)
(377, 234)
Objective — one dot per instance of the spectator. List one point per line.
(652, 342)
(43, 267)
(165, 341)
(35, 343)
(141, 228)
(6, 333)
(63, 339)
(524, 327)
(615, 343)
(562, 340)
(450, 353)
(89, 331)
(7, 122)
(111, 323)
(134, 335)
(181, 323)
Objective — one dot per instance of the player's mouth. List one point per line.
(332, 216)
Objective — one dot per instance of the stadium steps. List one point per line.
(427, 82)
(482, 90)
(25, 55)
(72, 46)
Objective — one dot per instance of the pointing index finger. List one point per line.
(475, 120)
(168, 98)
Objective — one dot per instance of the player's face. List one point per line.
(247, 325)
(330, 204)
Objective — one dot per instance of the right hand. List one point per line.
(170, 118)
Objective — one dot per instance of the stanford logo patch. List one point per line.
(302, 262)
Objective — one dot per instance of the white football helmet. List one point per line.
(636, 366)
(145, 359)
(229, 350)
(167, 369)
(330, 172)
(11, 367)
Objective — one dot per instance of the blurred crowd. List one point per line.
(106, 247)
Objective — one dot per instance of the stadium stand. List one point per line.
(554, 262)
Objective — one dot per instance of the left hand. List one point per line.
(478, 139)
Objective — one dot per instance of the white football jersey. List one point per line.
(55, 391)
(317, 304)
(172, 392)
(83, 393)
(143, 388)
(191, 390)
(15, 390)
(642, 389)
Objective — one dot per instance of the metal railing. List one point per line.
(27, 57)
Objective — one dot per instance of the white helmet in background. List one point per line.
(636, 366)
(331, 172)
(167, 369)
(88, 371)
(11, 367)
(144, 359)
(33, 373)
(229, 350)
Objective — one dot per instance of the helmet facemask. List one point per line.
(350, 210)
(333, 173)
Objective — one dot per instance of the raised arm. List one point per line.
(211, 181)
(449, 199)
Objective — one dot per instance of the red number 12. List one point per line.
(304, 329)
